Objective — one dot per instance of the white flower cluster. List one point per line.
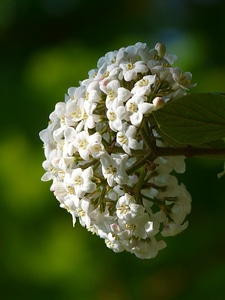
(99, 151)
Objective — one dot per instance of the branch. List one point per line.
(190, 151)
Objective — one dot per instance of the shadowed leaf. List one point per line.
(193, 119)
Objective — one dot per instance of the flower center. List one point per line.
(77, 114)
(112, 116)
(122, 139)
(130, 66)
(81, 212)
(111, 170)
(132, 107)
(143, 82)
(124, 209)
(86, 96)
(71, 190)
(78, 180)
(112, 95)
(83, 144)
(131, 227)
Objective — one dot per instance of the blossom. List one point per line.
(80, 181)
(144, 86)
(83, 209)
(126, 138)
(69, 205)
(182, 79)
(137, 107)
(99, 149)
(115, 117)
(146, 248)
(116, 94)
(130, 70)
(87, 144)
(136, 225)
(113, 168)
(126, 207)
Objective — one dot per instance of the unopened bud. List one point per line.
(161, 49)
(158, 103)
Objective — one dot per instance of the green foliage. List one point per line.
(195, 119)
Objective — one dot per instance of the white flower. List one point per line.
(132, 217)
(163, 74)
(108, 59)
(147, 248)
(171, 228)
(135, 225)
(143, 87)
(59, 113)
(69, 205)
(137, 107)
(182, 80)
(130, 70)
(115, 94)
(88, 145)
(126, 138)
(75, 109)
(81, 143)
(110, 89)
(115, 243)
(93, 93)
(182, 205)
(101, 222)
(95, 147)
(115, 117)
(83, 209)
(126, 208)
(113, 168)
(80, 180)
(59, 190)
(80, 112)
(51, 166)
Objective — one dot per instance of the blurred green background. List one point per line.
(46, 46)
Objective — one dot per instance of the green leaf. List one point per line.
(193, 119)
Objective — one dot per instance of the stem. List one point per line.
(189, 151)
(139, 184)
(145, 134)
(138, 164)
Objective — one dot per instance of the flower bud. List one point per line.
(161, 49)
(158, 103)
